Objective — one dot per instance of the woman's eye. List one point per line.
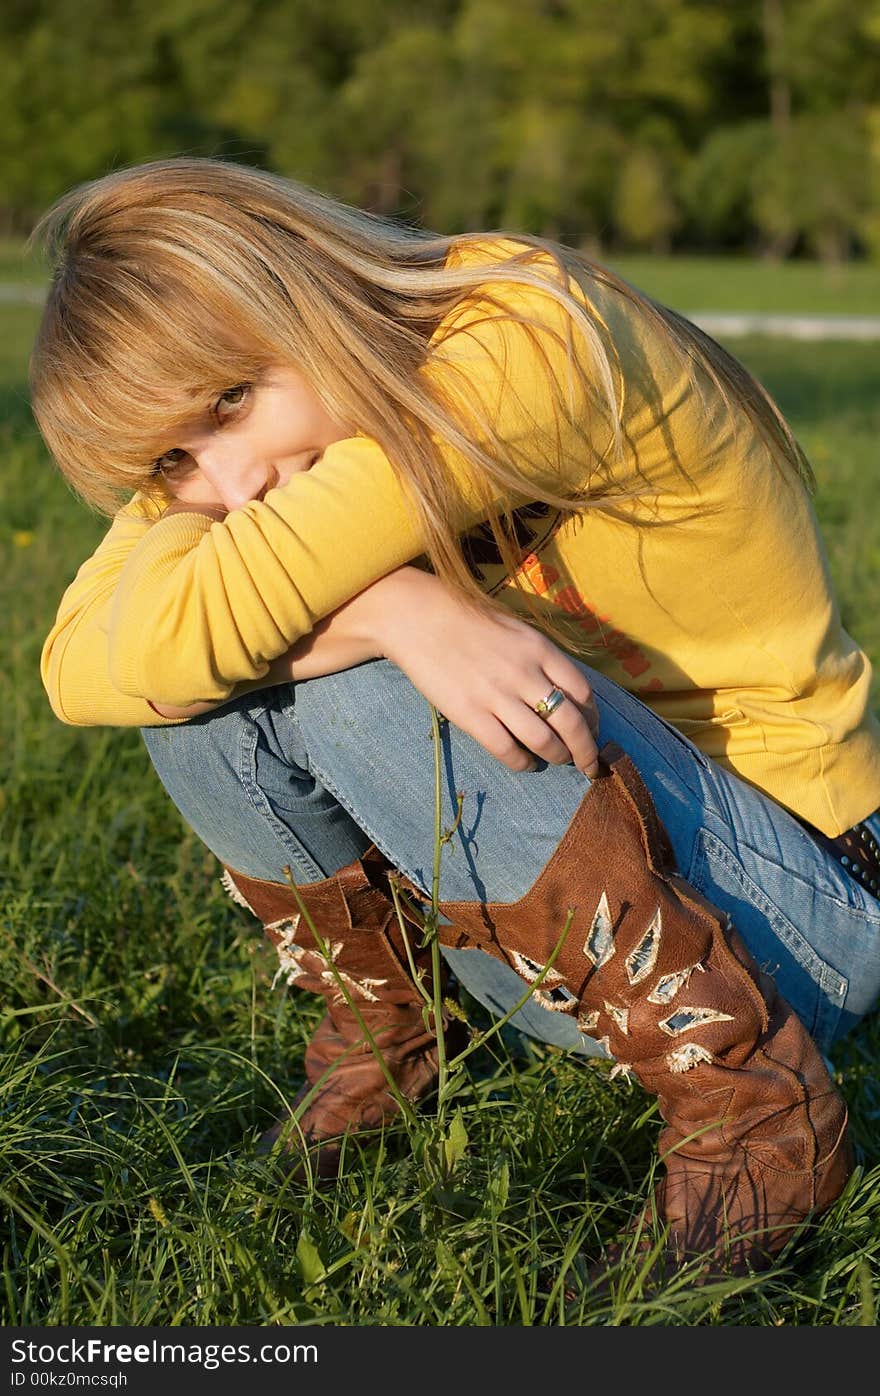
(173, 464)
(230, 401)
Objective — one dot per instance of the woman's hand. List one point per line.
(486, 673)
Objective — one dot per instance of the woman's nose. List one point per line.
(235, 481)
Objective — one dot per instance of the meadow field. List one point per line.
(143, 1049)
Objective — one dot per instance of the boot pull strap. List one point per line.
(352, 879)
(657, 844)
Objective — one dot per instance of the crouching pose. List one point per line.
(373, 470)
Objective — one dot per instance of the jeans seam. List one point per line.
(692, 750)
(872, 918)
(825, 976)
(247, 747)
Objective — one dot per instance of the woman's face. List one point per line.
(253, 437)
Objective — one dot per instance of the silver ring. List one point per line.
(548, 705)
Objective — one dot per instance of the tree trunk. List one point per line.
(773, 25)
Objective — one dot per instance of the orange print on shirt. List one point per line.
(631, 658)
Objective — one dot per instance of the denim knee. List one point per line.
(241, 779)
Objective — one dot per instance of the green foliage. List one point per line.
(810, 184)
(632, 124)
(645, 211)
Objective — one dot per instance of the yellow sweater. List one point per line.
(725, 624)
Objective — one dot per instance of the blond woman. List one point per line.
(368, 470)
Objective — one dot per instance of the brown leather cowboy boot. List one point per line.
(756, 1132)
(354, 915)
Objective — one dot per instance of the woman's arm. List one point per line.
(75, 660)
(484, 673)
(202, 606)
(476, 669)
(74, 664)
(338, 642)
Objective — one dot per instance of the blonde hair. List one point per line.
(176, 279)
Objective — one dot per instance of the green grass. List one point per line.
(19, 266)
(144, 1050)
(18, 326)
(732, 283)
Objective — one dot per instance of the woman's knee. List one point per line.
(239, 778)
(370, 738)
(372, 742)
(202, 750)
(200, 764)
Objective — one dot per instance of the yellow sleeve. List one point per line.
(74, 664)
(201, 606)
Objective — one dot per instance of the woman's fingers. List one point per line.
(571, 725)
(562, 674)
(532, 732)
(487, 673)
(575, 721)
(568, 733)
(500, 742)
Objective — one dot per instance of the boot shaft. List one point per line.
(611, 934)
(357, 945)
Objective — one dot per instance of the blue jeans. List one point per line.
(308, 774)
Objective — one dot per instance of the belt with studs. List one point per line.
(857, 852)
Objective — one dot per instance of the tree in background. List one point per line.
(796, 177)
(646, 123)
